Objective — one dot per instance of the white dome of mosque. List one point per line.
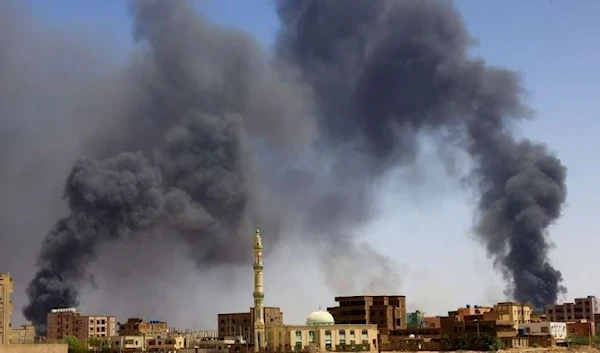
(320, 318)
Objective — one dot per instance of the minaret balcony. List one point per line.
(259, 266)
(259, 295)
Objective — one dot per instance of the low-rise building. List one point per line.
(432, 321)
(242, 324)
(516, 313)
(129, 343)
(322, 333)
(581, 328)
(167, 344)
(137, 327)
(23, 335)
(558, 330)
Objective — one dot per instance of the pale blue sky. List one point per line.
(555, 44)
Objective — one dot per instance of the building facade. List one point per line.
(23, 335)
(582, 328)
(6, 308)
(387, 312)
(516, 313)
(558, 330)
(137, 327)
(321, 333)
(432, 321)
(581, 309)
(69, 322)
(60, 323)
(88, 327)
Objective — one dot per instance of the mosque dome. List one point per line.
(320, 318)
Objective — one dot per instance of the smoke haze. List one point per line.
(201, 135)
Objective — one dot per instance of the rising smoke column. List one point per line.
(386, 73)
(380, 75)
(107, 200)
(195, 92)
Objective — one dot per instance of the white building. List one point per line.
(558, 330)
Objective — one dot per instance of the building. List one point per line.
(321, 333)
(242, 324)
(166, 344)
(129, 343)
(432, 321)
(137, 327)
(469, 311)
(387, 312)
(251, 326)
(582, 309)
(87, 327)
(415, 320)
(6, 308)
(558, 330)
(23, 335)
(270, 334)
(582, 328)
(516, 313)
(61, 323)
(65, 322)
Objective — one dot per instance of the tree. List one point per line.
(75, 346)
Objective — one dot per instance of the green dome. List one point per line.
(320, 318)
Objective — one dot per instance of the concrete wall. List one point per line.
(34, 348)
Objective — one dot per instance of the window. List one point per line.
(351, 333)
(311, 336)
(365, 335)
(298, 346)
(298, 336)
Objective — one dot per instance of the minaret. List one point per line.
(259, 295)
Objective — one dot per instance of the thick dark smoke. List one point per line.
(352, 89)
(387, 72)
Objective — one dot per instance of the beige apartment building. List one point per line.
(581, 309)
(6, 308)
(508, 311)
(69, 322)
(23, 335)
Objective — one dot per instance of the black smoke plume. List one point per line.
(387, 72)
(352, 88)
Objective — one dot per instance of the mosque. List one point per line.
(320, 333)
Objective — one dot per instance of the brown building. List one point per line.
(6, 308)
(581, 328)
(23, 335)
(242, 324)
(582, 309)
(137, 327)
(432, 321)
(61, 323)
(69, 322)
(387, 312)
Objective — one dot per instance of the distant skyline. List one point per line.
(426, 228)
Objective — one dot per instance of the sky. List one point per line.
(552, 43)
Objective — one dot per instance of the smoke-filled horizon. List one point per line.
(184, 133)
